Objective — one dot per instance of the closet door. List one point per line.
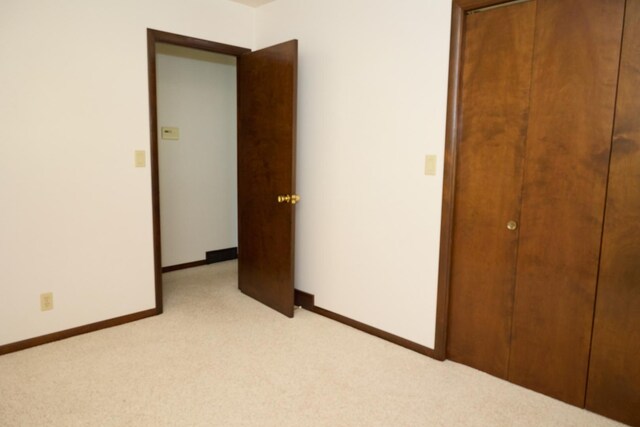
(495, 101)
(614, 371)
(575, 72)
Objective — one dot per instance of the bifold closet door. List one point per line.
(575, 73)
(614, 371)
(498, 47)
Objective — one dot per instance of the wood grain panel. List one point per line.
(614, 373)
(495, 98)
(267, 82)
(576, 58)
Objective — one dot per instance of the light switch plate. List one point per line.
(140, 159)
(430, 165)
(46, 301)
(170, 133)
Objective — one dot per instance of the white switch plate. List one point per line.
(140, 159)
(170, 133)
(430, 164)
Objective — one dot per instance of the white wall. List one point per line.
(75, 215)
(198, 183)
(372, 104)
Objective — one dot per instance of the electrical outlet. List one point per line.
(46, 301)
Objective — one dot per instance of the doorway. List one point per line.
(162, 42)
(167, 41)
(197, 109)
(266, 142)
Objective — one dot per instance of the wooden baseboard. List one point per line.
(222, 255)
(211, 258)
(307, 301)
(56, 336)
(303, 299)
(183, 266)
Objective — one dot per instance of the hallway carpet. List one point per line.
(219, 358)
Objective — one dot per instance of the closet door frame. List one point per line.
(452, 137)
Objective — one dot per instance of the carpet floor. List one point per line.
(219, 358)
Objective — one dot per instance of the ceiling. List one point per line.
(253, 3)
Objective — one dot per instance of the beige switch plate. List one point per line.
(170, 133)
(430, 165)
(140, 159)
(46, 301)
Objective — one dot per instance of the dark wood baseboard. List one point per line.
(303, 299)
(212, 257)
(92, 327)
(184, 266)
(307, 301)
(222, 255)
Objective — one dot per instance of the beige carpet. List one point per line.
(218, 358)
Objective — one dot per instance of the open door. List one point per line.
(266, 174)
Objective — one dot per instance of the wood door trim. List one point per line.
(452, 136)
(153, 37)
(448, 190)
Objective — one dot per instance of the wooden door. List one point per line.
(498, 48)
(266, 169)
(575, 71)
(522, 302)
(614, 371)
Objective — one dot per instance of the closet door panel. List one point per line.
(495, 100)
(614, 372)
(576, 58)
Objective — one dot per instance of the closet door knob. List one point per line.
(512, 225)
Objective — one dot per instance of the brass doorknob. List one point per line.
(512, 225)
(289, 198)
